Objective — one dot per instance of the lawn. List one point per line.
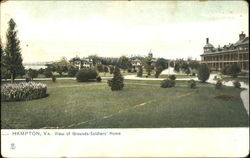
(142, 104)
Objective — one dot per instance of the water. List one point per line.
(35, 67)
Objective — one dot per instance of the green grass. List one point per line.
(71, 104)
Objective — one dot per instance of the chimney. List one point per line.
(207, 40)
(242, 35)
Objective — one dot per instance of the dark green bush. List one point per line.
(192, 83)
(167, 83)
(98, 79)
(204, 73)
(116, 83)
(237, 84)
(86, 74)
(233, 70)
(218, 84)
(32, 73)
(172, 77)
(27, 79)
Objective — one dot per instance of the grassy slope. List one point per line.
(173, 107)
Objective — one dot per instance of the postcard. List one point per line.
(124, 78)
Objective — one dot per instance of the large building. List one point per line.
(237, 53)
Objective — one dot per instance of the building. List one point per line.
(218, 58)
(81, 63)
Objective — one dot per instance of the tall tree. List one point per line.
(4, 71)
(13, 58)
(160, 65)
(148, 64)
(116, 83)
(124, 63)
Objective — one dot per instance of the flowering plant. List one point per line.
(22, 91)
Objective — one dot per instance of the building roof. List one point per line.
(208, 46)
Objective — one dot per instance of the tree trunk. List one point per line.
(12, 78)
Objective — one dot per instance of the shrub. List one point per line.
(41, 71)
(54, 79)
(233, 70)
(192, 83)
(116, 83)
(86, 74)
(72, 71)
(218, 84)
(193, 74)
(172, 77)
(98, 79)
(167, 83)
(204, 73)
(47, 73)
(23, 91)
(237, 84)
(140, 72)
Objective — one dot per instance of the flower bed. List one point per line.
(23, 91)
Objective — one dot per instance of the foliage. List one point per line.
(106, 69)
(172, 77)
(147, 63)
(41, 71)
(99, 68)
(192, 83)
(61, 65)
(140, 71)
(47, 73)
(233, 70)
(193, 64)
(171, 64)
(86, 74)
(53, 78)
(98, 79)
(160, 65)
(116, 83)
(95, 59)
(111, 69)
(203, 73)
(5, 74)
(32, 73)
(72, 71)
(181, 65)
(23, 91)
(13, 58)
(167, 83)
(218, 84)
(237, 84)
(27, 79)
(124, 63)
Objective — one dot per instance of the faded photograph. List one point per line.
(125, 64)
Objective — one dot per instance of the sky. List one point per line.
(49, 30)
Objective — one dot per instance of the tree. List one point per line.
(106, 69)
(160, 65)
(147, 62)
(4, 72)
(124, 63)
(171, 64)
(13, 57)
(99, 67)
(203, 73)
(111, 69)
(62, 65)
(41, 71)
(32, 73)
(140, 71)
(72, 70)
(95, 59)
(116, 83)
(47, 73)
(233, 70)
(86, 74)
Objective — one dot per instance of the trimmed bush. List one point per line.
(218, 84)
(98, 79)
(23, 91)
(172, 77)
(237, 84)
(167, 83)
(54, 79)
(116, 83)
(204, 73)
(86, 74)
(192, 83)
